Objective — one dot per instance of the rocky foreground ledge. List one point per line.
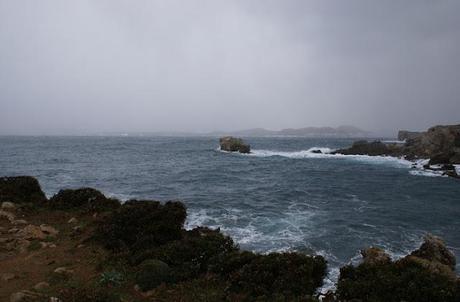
(440, 145)
(82, 246)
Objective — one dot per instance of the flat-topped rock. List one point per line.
(234, 144)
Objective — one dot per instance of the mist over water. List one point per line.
(281, 197)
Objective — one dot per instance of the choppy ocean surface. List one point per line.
(281, 197)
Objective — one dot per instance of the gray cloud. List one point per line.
(97, 66)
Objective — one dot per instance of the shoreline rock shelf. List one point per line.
(440, 145)
(140, 250)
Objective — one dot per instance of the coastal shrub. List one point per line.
(410, 279)
(141, 225)
(88, 294)
(151, 273)
(191, 255)
(21, 189)
(285, 274)
(226, 264)
(111, 279)
(203, 289)
(86, 198)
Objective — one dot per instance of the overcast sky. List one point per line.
(123, 66)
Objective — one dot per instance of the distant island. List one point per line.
(341, 131)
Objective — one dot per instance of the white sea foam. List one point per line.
(326, 153)
(428, 173)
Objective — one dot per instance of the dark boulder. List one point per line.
(370, 148)
(233, 144)
(85, 198)
(317, 151)
(21, 189)
(407, 135)
(441, 158)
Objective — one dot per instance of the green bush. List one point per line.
(286, 274)
(88, 294)
(192, 255)
(141, 225)
(111, 279)
(410, 279)
(86, 198)
(151, 273)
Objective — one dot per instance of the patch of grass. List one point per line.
(111, 279)
(34, 246)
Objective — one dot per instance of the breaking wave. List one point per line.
(416, 167)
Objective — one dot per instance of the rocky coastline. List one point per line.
(80, 245)
(439, 146)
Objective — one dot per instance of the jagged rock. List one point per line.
(21, 189)
(7, 276)
(13, 230)
(317, 151)
(72, 220)
(22, 245)
(33, 232)
(63, 271)
(6, 205)
(375, 255)
(233, 144)
(49, 230)
(441, 142)
(19, 222)
(406, 135)
(24, 296)
(8, 215)
(434, 249)
(41, 286)
(87, 198)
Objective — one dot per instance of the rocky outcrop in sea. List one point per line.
(234, 144)
(440, 145)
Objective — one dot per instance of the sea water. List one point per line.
(281, 197)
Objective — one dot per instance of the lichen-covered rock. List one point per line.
(85, 198)
(442, 142)
(233, 144)
(424, 276)
(434, 249)
(21, 189)
(375, 255)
